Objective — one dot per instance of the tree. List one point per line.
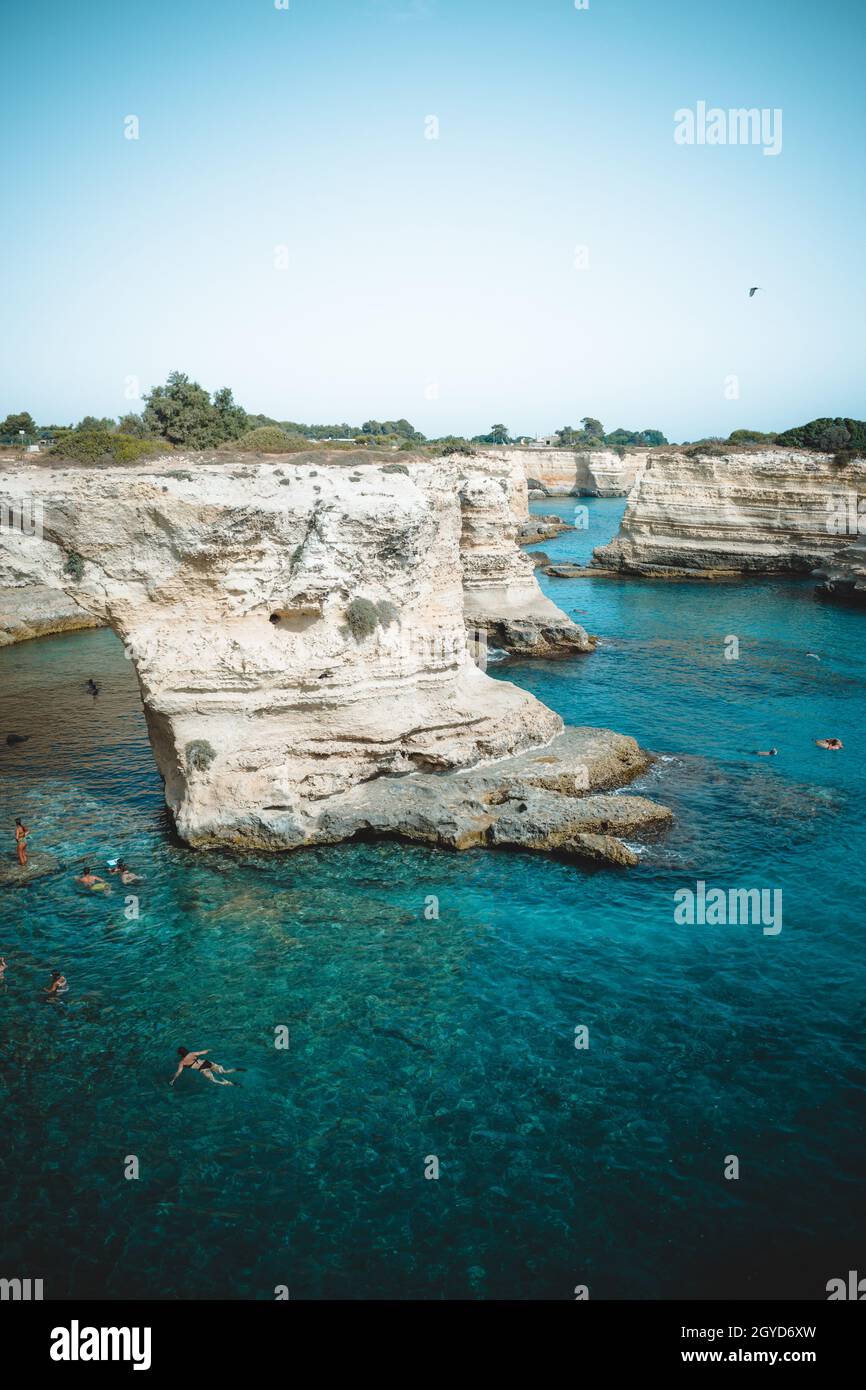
(181, 412)
(592, 427)
(826, 434)
(92, 423)
(233, 419)
(498, 434)
(567, 437)
(132, 425)
(14, 424)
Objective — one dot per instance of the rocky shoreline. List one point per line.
(303, 637)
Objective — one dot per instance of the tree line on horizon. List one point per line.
(183, 415)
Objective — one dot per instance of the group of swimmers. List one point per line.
(189, 1061)
(88, 879)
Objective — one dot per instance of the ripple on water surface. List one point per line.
(453, 1035)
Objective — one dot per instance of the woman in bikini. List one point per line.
(21, 840)
(197, 1061)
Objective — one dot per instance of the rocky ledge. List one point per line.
(555, 800)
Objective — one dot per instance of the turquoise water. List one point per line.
(453, 1037)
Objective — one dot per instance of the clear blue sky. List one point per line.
(450, 260)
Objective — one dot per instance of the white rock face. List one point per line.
(579, 473)
(296, 630)
(767, 511)
(35, 610)
(501, 591)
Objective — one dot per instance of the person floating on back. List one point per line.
(21, 840)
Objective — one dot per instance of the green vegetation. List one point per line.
(395, 468)
(750, 437)
(14, 424)
(199, 754)
(269, 439)
(101, 446)
(828, 435)
(453, 444)
(74, 566)
(363, 616)
(592, 436)
(183, 413)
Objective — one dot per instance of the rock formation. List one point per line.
(298, 635)
(35, 610)
(710, 515)
(578, 473)
(501, 592)
(844, 580)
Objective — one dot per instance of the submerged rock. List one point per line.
(564, 569)
(39, 865)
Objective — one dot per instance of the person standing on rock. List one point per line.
(21, 840)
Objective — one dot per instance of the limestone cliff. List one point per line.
(298, 635)
(762, 511)
(501, 592)
(580, 472)
(34, 610)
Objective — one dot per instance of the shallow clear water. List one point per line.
(453, 1037)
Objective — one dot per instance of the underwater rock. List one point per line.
(39, 864)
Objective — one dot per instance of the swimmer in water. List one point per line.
(59, 984)
(92, 687)
(196, 1061)
(21, 840)
(766, 752)
(3, 967)
(126, 875)
(92, 881)
(832, 743)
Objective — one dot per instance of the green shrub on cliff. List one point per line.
(363, 616)
(269, 439)
(101, 446)
(199, 754)
(74, 566)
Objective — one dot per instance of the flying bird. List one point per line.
(752, 290)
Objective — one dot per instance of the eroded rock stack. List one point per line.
(298, 633)
(771, 511)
